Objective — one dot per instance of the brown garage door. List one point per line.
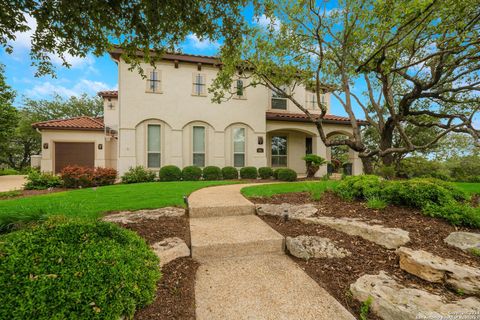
(74, 153)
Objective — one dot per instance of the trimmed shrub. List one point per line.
(191, 173)
(212, 173)
(287, 175)
(138, 174)
(360, 187)
(75, 270)
(170, 173)
(229, 173)
(276, 171)
(313, 163)
(41, 181)
(83, 177)
(455, 213)
(265, 172)
(248, 173)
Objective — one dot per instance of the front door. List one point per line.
(279, 151)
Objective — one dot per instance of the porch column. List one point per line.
(320, 149)
(357, 165)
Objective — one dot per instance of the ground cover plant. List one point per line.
(92, 202)
(42, 277)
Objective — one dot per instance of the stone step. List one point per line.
(219, 201)
(261, 287)
(233, 236)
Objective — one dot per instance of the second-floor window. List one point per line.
(199, 85)
(154, 83)
(199, 146)
(311, 100)
(239, 89)
(279, 101)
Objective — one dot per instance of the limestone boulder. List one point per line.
(170, 249)
(127, 217)
(390, 238)
(392, 300)
(307, 247)
(287, 210)
(464, 240)
(433, 268)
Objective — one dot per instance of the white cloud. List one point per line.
(201, 44)
(23, 40)
(46, 89)
(267, 22)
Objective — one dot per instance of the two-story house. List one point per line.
(169, 118)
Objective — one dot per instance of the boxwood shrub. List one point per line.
(170, 173)
(191, 173)
(248, 173)
(276, 171)
(138, 174)
(361, 187)
(229, 173)
(265, 172)
(286, 175)
(212, 173)
(75, 270)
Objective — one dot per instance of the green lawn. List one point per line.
(470, 187)
(314, 187)
(92, 202)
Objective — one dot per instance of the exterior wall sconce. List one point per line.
(100, 146)
(260, 140)
(45, 145)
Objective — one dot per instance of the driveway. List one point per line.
(8, 183)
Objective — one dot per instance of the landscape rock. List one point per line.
(170, 249)
(390, 238)
(432, 268)
(307, 247)
(127, 217)
(464, 240)
(391, 300)
(287, 210)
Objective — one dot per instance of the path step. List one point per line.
(261, 287)
(209, 202)
(233, 236)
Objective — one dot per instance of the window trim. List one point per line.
(161, 144)
(158, 80)
(203, 92)
(286, 153)
(204, 145)
(244, 146)
(311, 102)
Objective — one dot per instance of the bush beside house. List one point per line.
(229, 173)
(40, 181)
(265, 172)
(248, 173)
(212, 173)
(191, 173)
(170, 173)
(138, 174)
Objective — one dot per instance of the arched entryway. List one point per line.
(341, 158)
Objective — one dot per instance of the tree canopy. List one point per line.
(79, 27)
(411, 66)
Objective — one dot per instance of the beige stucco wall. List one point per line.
(103, 158)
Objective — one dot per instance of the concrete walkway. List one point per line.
(13, 182)
(244, 272)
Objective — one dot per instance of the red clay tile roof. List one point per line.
(301, 117)
(77, 123)
(108, 94)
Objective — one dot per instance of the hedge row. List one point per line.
(193, 173)
(433, 197)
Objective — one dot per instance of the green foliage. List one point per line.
(313, 163)
(10, 194)
(464, 169)
(419, 167)
(248, 173)
(387, 172)
(75, 270)
(265, 172)
(59, 107)
(191, 173)
(376, 203)
(276, 171)
(287, 175)
(8, 172)
(40, 181)
(314, 188)
(212, 173)
(229, 173)
(456, 213)
(14, 221)
(83, 177)
(359, 187)
(138, 174)
(170, 173)
(365, 308)
(475, 251)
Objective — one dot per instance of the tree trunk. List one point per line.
(386, 142)
(367, 165)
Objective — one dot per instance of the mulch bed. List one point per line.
(29, 193)
(336, 275)
(175, 297)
